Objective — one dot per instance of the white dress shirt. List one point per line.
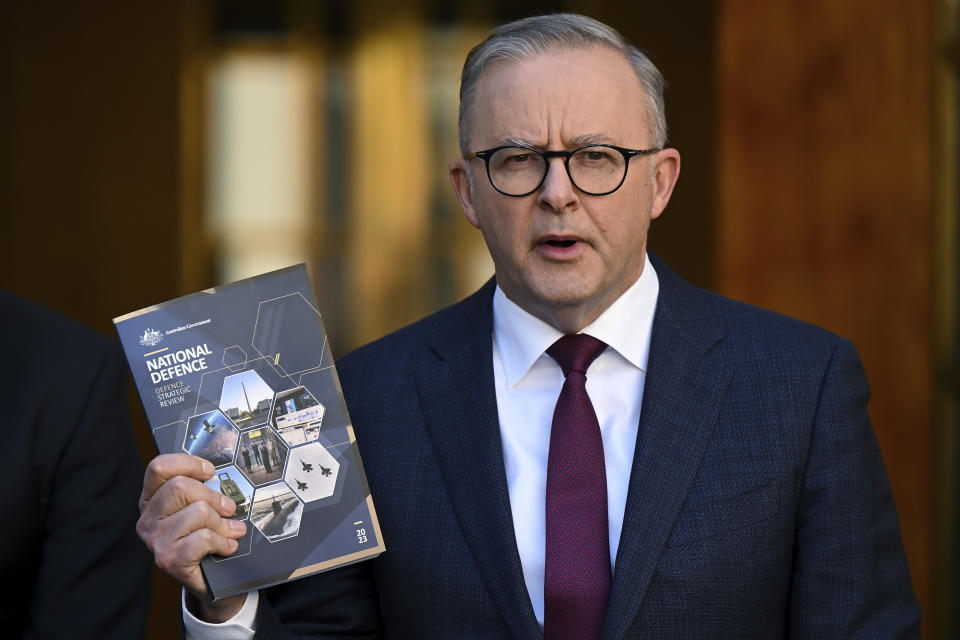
(528, 383)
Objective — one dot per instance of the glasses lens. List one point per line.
(597, 169)
(515, 170)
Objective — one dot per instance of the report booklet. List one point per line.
(242, 376)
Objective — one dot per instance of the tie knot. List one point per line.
(576, 352)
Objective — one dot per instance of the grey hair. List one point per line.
(529, 37)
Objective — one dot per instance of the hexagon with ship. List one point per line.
(231, 483)
(312, 472)
(211, 436)
(261, 455)
(297, 416)
(276, 512)
(246, 399)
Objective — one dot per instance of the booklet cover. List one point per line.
(242, 375)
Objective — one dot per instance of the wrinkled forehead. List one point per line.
(558, 97)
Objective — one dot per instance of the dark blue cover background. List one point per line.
(249, 324)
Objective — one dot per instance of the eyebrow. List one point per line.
(576, 141)
(519, 142)
(590, 138)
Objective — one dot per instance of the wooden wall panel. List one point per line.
(89, 178)
(825, 201)
(89, 128)
(391, 214)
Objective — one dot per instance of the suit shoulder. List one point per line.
(67, 378)
(755, 327)
(741, 324)
(38, 334)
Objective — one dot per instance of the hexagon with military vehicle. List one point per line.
(231, 483)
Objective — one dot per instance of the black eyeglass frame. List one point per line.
(627, 154)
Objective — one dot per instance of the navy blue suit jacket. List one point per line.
(70, 553)
(758, 503)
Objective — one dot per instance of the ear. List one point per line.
(460, 179)
(665, 175)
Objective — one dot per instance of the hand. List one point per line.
(182, 521)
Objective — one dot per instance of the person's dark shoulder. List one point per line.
(749, 323)
(68, 438)
(746, 330)
(35, 333)
(58, 360)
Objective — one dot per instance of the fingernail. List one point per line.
(236, 526)
(207, 467)
(226, 504)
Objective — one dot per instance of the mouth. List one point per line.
(560, 247)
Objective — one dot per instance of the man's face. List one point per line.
(560, 254)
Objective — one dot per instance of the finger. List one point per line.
(165, 536)
(181, 559)
(170, 465)
(179, 493)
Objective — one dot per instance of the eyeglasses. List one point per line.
(597, 169)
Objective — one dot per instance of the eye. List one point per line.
(595, 155)
(518, 157)
(514, 159)
(597, 158)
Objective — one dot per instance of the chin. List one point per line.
(563, 294)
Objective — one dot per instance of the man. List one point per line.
(72, 471)
(246, 459)
(735, 491)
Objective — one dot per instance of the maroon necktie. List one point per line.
(577, 567)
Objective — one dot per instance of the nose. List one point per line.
(557, 192)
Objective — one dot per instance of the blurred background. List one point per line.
(153, 149)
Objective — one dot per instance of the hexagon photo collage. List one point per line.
(263, 443)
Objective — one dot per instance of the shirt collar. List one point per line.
(625, 325)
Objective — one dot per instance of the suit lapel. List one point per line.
(456, 390)
(683, 391)
(682, 395)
